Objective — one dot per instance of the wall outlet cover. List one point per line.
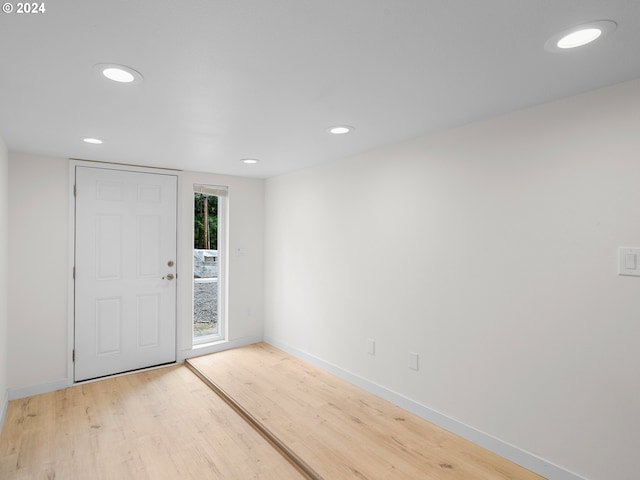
(371, 346)
(413, 361)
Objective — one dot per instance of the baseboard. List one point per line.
(504, 449)
(16, 393)
(3, 408)
(200, 350)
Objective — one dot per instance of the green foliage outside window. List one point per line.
(206, 240)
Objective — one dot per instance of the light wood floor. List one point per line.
(339, 431)
(160, 424)
(167, 424)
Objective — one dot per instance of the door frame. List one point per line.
(72, 245)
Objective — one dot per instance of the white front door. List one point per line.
(125, 287)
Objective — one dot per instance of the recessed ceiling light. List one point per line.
(94, 141)
(340, 129)
(118, 73)
(579, 35)
(250, 161)
(579, 38)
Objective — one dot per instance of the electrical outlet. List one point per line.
(413, 361)
(371, 346)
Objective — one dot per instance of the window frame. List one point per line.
(222, 193)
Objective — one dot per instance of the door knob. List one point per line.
(169, 276)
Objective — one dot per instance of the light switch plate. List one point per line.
(629, 261)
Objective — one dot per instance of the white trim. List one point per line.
(3, 408)
(71, 259)
(223, 269)
(16, 393)
(73, 163)
(199, 350)
(504, 449)
(179, 259)
(223, 272)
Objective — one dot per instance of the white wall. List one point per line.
(39, 263)
(38, 266)
(4, 229)
(490, 250)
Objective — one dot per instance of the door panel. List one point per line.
(108, 325)
(148, 254)
(148, 319)
(125, 299)
(108, 247)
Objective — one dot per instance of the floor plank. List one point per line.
(160, 424)
(341, 431)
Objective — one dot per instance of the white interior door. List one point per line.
(125, 287)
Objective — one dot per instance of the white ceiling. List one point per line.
(230, 79)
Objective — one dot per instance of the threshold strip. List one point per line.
(284, 450)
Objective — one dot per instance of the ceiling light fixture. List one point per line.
(93, 141)
(579, 38)
(249, 161)
(340, 129)
(579, 35)
(118, 73)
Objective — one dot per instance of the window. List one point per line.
(209, 204)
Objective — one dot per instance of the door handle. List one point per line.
(169, 276)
